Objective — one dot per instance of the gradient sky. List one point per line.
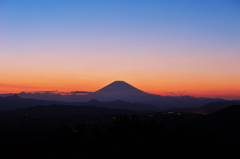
(166, 47)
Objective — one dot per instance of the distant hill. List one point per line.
(14, 97)
(14, 102)
(65, 110)
(120, 104)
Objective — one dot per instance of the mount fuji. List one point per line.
(120, 88)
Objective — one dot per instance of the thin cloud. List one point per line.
(172, 93)
(48, 92)
(76, 92)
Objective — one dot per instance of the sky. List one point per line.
(165, 47)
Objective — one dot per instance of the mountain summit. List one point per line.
(120, 88)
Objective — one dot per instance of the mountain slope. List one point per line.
(207, 108)
(225, 121)
(120, 88)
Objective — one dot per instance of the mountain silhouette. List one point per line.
(116, 91)
(120, 88)
(207, 108)
(226, 122)
(14, 97)
(14, 102)
(64, 110)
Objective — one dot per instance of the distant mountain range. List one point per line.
(120, 90)
(118, 94)
(14, 102)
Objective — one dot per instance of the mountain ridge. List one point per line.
(120, 88)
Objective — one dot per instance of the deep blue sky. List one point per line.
(148, 22)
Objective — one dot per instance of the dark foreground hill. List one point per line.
(59, 131)
(122, 137)
(225, 121)
(207, 108)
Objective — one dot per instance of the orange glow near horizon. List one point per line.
(166, 87)
(194, 79)
(198, 75)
